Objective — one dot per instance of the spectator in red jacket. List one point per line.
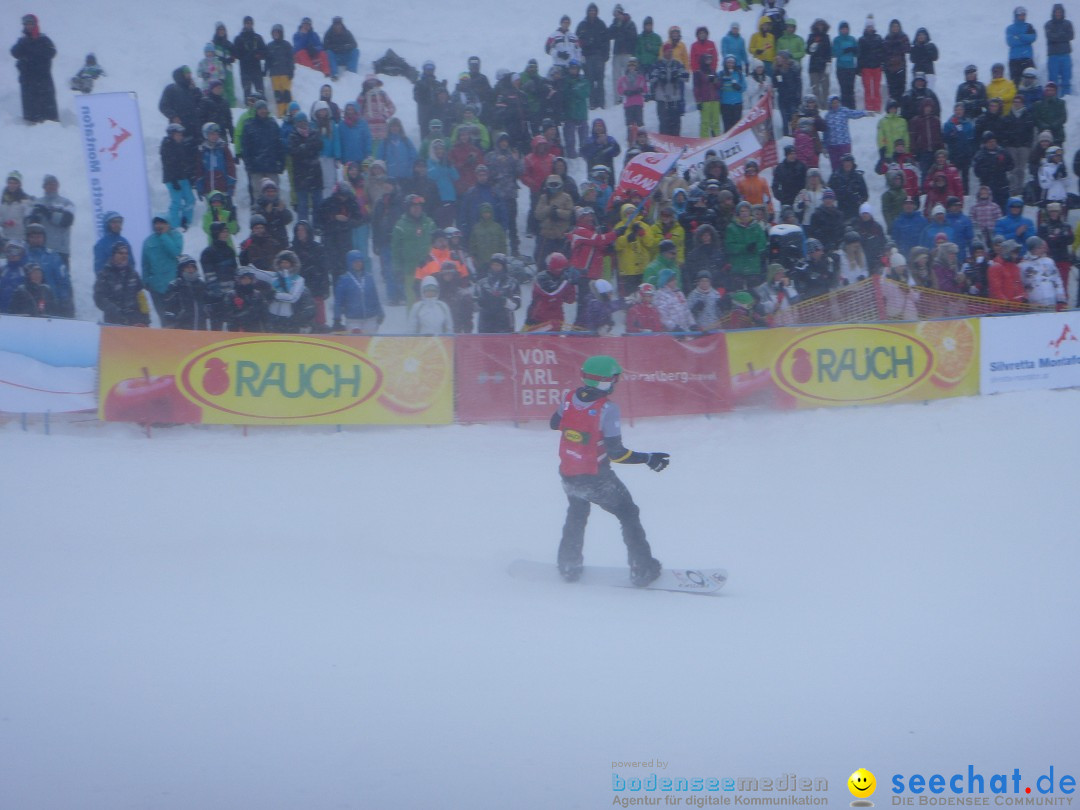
(703, 44)
(552, 290)
(644, 316)
(925, 132)
(1003, 275)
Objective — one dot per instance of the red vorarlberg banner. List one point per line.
(524, 377)
(752, 137)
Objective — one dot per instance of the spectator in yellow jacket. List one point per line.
(668, 227)
(763, 44)
(633, 247)
(678, 47)
(1000, 87)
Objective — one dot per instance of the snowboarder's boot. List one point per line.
(644, 571)
(570, 568)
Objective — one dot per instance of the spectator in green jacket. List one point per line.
(487, 237)
(892, 128)
(648, 46)
(410, 243)
(791, 42)
(745, 245)
(1050, 113)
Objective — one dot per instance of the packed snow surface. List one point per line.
(301, 619)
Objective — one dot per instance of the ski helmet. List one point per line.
(601, 371)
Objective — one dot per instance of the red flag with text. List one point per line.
(644, 172)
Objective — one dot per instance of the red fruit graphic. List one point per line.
(150, 400)
(215, 379)
(801, 367)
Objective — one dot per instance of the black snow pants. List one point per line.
(609, 493)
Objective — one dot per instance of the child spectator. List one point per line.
(34, 297)
(632, 88)
(245, 309)
(674, 312)
(429, 315)
(705, 302)
(356, 300)
(643, 317)
(186, 300)
(600, 305)
(90, 72)
(552, 291)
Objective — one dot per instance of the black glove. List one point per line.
(658, 461)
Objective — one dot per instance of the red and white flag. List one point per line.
(643, 173)
(752, 136)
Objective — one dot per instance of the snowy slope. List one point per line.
(303, 619)
(307, 619)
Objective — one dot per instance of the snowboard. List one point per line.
(706, 581)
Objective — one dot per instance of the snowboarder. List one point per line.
(591, 440)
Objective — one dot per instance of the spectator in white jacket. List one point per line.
(429, 315)
(1053, 176)
(1042, 280)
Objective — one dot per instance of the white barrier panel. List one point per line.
(48, 366)
(116, 162)
(1026, 352)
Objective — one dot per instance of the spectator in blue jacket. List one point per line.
(308, 48)
(936, 227)
(159, 253)
(468, 210)
(907, 229)
(354, 135)
(53, 268)
(1020, 36)
(263, 150)
(837, 131)
(112, 223)
(732, 85)
(397, 151)
(13, 274)
(845, 49)
(1014, 225)
(357, 308)
(963, 227)
(958, 134)
(734, 45)
(1059, 37)
(445, 176)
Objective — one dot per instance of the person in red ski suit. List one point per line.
(591, 440)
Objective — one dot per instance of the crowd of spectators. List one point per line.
(335, 189)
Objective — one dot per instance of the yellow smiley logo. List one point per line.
(862, 783)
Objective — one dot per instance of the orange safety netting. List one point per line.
(882, 299)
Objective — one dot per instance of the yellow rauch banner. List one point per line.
(163, 376)
(861, 364)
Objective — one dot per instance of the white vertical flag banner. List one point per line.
(116, 163)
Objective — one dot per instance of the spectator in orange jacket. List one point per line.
(1003, 275)
(754, 188)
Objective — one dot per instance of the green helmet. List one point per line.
(600, 371)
